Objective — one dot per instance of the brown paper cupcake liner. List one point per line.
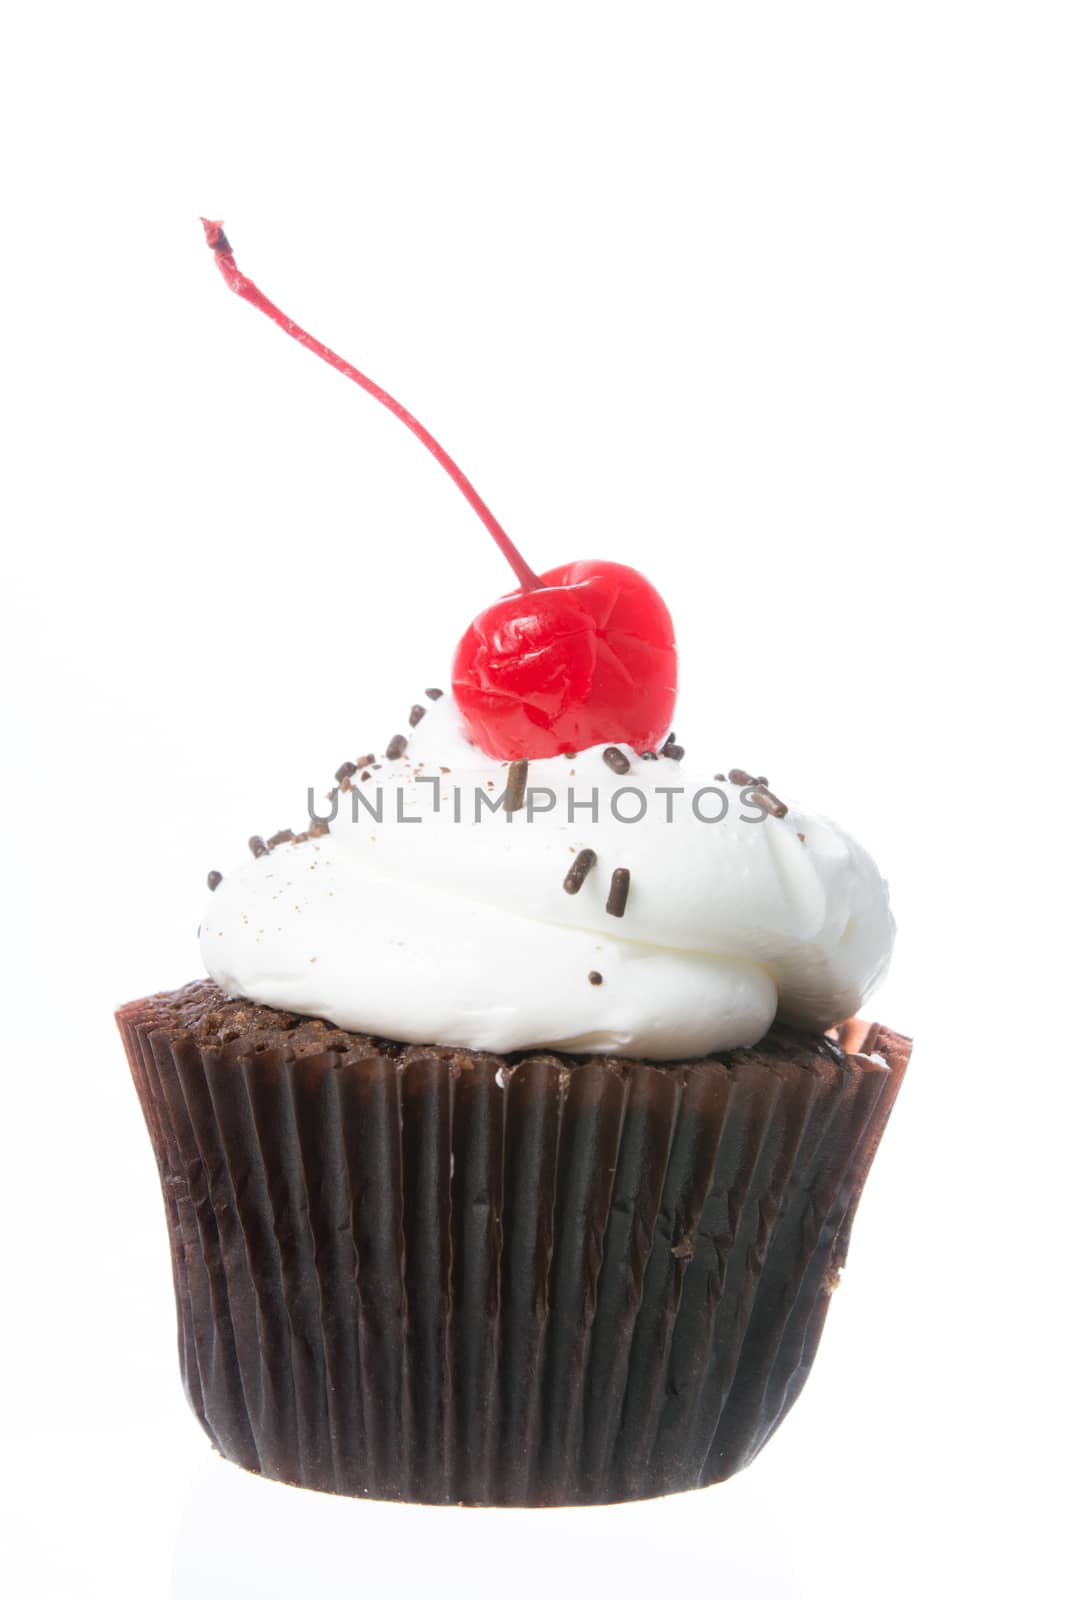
(418, 1274)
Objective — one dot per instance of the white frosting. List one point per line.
(446, 932)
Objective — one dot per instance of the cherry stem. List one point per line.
(235, 278)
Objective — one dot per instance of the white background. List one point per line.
(765, 299)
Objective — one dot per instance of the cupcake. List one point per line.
(510, 1147)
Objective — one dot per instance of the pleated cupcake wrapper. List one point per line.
(410, 1277)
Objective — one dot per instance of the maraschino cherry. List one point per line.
(586, 659)
(582, 655)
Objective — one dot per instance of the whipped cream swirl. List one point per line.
(426, 916)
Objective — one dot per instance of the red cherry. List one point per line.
(584, 655)
(587, 659)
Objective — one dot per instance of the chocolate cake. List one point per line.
(420, 1273)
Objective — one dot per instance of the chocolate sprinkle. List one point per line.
(213, 880)
(649, 755)
(434, 694)
(258, 846)
(516, 790)
(364, 761)
(317, 829)
(761, 796)
(616, 760)
(739, 775)
(580, 868)
(281, 837)
(415, 715)
(596, 978)
(672, 751)
(620, 889)
(396, 747)
(345, 770)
